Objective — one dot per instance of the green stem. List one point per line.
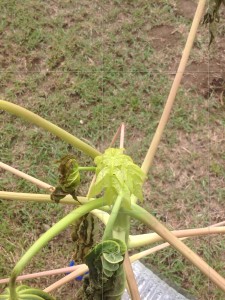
(122, 226)
(39, 121)
(49, 235)
(113, 216)
(121, 230)
(141, 214)
(86, 168)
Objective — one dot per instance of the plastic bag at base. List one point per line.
(151, 287)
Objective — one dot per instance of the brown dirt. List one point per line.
(206, 75)
(164, 36)
(185, 8)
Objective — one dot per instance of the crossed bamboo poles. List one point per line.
(82, 269)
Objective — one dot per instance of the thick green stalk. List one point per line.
(141, 214)
(49, 235)
(121, 231)
(121, 226)
(113, 216)
(39, 121)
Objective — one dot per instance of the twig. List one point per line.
(131, 281)
(122, 134)
(116, 135)
(170, 100)
(32, 179)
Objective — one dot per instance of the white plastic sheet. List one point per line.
(151, 287)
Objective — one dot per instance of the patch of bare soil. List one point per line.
(163, 36)
(186, 8)
(207, 78)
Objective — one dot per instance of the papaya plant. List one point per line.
(113, 198)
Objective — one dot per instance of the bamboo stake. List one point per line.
(164, 245)
(80, 271)
(152, 250)
(149, 238)
(116, 135)
(147, 163)
(42, 274)
(146, 218)
(131, 281)
(122, 134)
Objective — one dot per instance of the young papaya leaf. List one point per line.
(109, 250)
(108, 273)
(58, 194)
(69, 178)
(113, 258)
(117, 175)
(102, 181)
(69, 173)
(108, 265)
(110, 194)
(106, 279)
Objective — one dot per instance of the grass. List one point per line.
(87, 68)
